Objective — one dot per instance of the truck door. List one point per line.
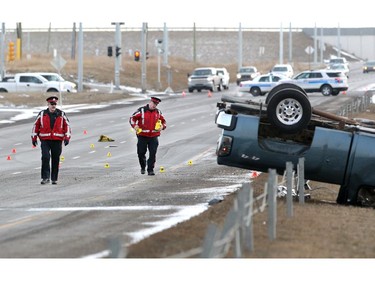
(31, 84)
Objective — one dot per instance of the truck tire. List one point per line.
(52, 90)
(283, 87)
(288, 108)
(219, 87)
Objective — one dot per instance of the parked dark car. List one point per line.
(252, 139)
(368, 66)
(246, 73)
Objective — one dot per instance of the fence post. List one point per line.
(301, 180)
(239, 209)
(249, 236)
(290, 186)
(271, 204)
(209, 241)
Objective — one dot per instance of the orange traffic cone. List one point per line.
(183, 93)
(85, 132)
(13, 150)
(209, 94)
(9, 158)
(344, 92)
(254, 174)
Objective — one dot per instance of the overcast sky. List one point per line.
(184, 13)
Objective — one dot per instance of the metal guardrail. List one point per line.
(237, 231)
(355, 105)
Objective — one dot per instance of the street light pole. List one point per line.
(144, 56)
(117, 53)
(159, 46)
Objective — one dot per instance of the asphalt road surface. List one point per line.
(102, 202)
(101, 195)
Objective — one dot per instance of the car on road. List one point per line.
(261, 84)
(286, 128)
(225, 77)
(246, 73)
(204, 78)
(340, 60)
(340, 67)
(328, 82)
(368, 66)
(283, 69)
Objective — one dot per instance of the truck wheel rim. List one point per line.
(289, 111)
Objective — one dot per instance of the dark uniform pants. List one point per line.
(151, 144)
(51, 150)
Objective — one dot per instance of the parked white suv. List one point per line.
(204, 78)
(283, 69)
(225, 77)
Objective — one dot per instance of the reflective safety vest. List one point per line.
(147, 120)
(42, 127)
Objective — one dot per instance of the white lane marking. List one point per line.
(76, 157)
(97, 208)
(158, 226)
(99, 255)
(16, 173)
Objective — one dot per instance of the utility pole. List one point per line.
(165, 45)
(117, 53)
(74, 44)
(160, 50)
(144, 56)
(194, 45)
(2, 51)
(240, 48)
(80, 58)
(281, 50)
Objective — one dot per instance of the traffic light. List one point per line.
(109, 51)
(11, 54)
(137, 55)
(118, 51)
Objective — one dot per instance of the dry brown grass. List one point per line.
(102, 68)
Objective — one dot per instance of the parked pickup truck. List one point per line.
(32, 82)
(205, 78)
(336, 149)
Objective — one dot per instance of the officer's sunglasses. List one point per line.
(52, 103)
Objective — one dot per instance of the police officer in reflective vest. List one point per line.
(148, 121)
(52, 127)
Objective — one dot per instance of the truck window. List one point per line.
(30, 79)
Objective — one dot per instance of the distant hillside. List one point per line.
(212, 47)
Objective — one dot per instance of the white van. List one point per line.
(283, 69)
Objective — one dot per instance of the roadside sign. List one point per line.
(58, 63)
(309, 50)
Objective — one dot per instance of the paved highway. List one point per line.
(101, 193)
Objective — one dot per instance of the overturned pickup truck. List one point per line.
(336, 149)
